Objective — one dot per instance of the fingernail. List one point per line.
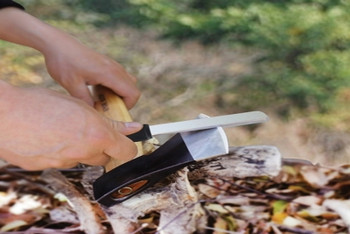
(133, 125)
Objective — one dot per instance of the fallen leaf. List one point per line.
(314, 177)
(308, 200)
(217, 208)
(291, 222)
(208, 190)
(341, 207)
(220, 226)
(13, 225)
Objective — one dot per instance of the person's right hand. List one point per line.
(42, 129)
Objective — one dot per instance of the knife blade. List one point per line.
(132, 177)
(233, 120)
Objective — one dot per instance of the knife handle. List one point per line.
(113, 107)
(131, 178)
(142, 135)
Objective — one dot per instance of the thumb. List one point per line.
(124, 128)
(123, 148)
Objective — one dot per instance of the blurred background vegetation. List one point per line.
(288, 58)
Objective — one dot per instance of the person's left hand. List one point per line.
(68, 61)
(75, 66)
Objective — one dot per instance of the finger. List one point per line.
(124, 128)
(82, 92)
(97, 160)
(131, 77)
(127, 128)
(126, 89)
(130, 101)
(123, 149)
(120, 71)
(129, 94)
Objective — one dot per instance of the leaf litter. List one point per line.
(301, 199)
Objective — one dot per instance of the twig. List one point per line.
(274, 196)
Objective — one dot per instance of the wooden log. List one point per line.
(245, 161)
(177, 201)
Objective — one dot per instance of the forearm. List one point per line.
(19, 27)
(5, 98)
(68, 61)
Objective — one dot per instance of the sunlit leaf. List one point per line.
(278, 212)
(208, 190)
(220, 226)
(6, 198)
(217, 207)
(231, 222)
(279, 206)
(306, 214)
(308, 200)
(25, 203)
(314, 177)
(300, 188)
(291, 222)
(290, 170)
(279, 217)
(13, 225)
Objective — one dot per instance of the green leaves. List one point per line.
(305, 45)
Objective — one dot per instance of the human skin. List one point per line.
(41, 128)
(69, 62)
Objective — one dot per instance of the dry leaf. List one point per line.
(13, 225)
(313, 176)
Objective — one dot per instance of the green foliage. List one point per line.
(305, 44)
(306, 56)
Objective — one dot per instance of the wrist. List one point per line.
(6, 96)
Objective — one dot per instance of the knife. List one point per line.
(233, 120)
(129, 178)
(132, 177)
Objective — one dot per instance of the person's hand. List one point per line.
(69, 62)
(45, 129)
(75, 66)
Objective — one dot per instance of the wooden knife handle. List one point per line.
(113, 107)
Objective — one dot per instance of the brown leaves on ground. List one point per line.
(28, 204)
(301, 199)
